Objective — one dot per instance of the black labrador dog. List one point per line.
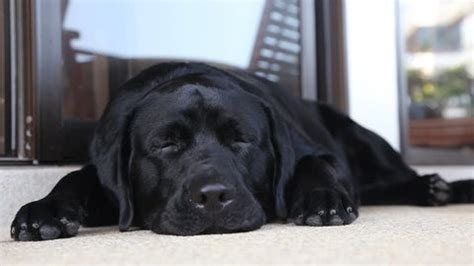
(186, 148)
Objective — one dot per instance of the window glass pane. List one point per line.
(439, 67)
(104, 43)
(107, 42)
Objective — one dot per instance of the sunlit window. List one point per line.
(438, 61)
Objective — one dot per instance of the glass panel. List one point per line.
(107, 42)
(439, 64)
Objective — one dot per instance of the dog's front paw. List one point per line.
(323, 206)
(46, 219)
(432, 190)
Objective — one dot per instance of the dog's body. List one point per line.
(186, 148)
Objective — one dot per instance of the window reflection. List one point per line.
(217, 31)
(107, 42)
(439, 62)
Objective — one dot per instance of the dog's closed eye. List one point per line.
(166, 147)
(232, 136)
(170, 139)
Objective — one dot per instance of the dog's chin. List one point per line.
(195, 224)
(212, 229)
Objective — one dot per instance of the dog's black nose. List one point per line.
(212, 197)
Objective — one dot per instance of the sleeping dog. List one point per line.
(186, 148)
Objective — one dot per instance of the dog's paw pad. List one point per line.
(72, 228)
(351, 213)
(438, 191)
(441, 197)
(25, 236)
(298, 220)
(48, 232)
(334, 218)
(324, 207)
(314, 220)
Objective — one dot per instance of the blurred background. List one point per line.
(403, 68)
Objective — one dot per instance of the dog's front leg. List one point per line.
(320, 194)
(77, 199)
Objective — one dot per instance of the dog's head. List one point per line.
(191, 154)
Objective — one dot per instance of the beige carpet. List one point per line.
(399, 235)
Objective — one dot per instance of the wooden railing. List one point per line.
(442, 132)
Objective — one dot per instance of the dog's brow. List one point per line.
(172, 127)
(190, 114)
(229, 122)
(212, 113)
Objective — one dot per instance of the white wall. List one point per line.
(372, 66)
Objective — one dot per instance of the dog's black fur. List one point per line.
(186, 148)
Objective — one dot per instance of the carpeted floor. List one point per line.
(398, 235)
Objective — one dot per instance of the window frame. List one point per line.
(331, 69)
(5, 76)
(19, 132)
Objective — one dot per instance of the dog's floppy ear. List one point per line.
(110, 153)
(284, 158)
